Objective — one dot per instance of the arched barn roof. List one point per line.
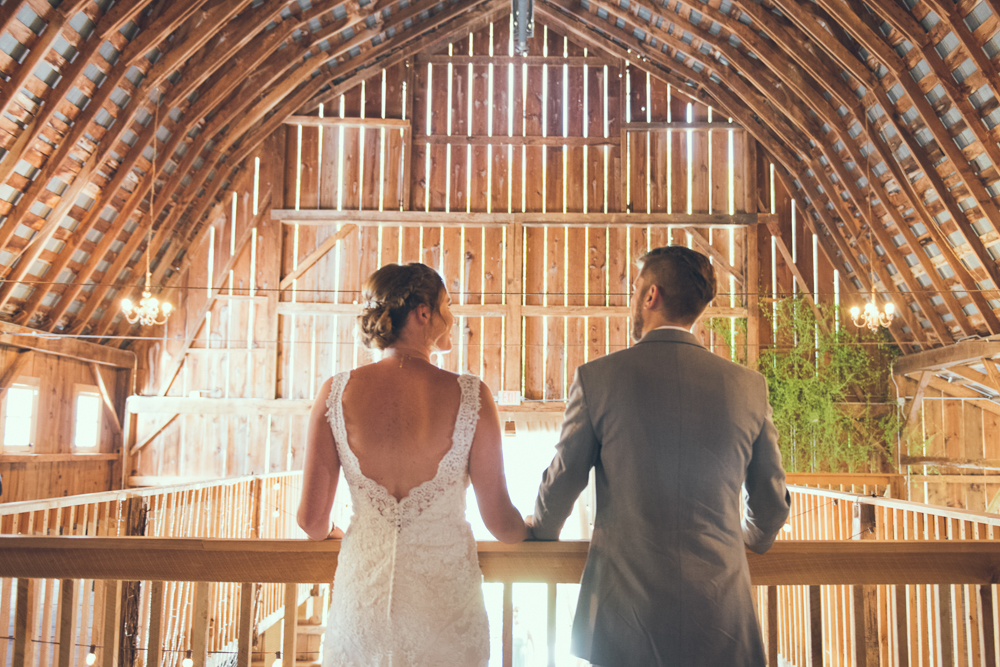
(834, 90)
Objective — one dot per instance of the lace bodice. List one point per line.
(408, 587)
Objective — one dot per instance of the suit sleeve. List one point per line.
(766, 499)
(569, 472)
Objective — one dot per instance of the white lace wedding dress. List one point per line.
(408, 589)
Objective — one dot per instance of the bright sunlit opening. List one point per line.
(86, 431)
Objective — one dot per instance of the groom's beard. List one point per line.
(637, 324)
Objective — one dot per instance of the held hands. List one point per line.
(529, 524)
(335, 534)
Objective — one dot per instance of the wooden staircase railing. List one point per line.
(822, 568)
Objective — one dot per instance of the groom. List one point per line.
(676, 435)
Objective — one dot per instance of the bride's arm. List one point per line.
(486, 470)
(320, 471)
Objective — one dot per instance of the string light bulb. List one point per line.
(149, 312)
(92, 656)
(277, 659)
(188, 661)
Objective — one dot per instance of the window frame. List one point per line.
(81, 389)
(22, 382)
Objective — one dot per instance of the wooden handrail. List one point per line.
(907, 505)
(808, 563)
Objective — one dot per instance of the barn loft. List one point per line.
(250, 162)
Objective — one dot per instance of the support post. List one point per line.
(67, 621)
(112, 623)
(199, 624)
(771, 626)
(23, 646)
(153, 641)
(290, 624)
(244, 633)
(815, 626)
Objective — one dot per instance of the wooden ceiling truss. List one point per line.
(825, 88)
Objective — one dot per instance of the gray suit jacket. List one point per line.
(675, 434)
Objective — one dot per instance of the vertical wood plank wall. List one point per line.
(262, 341)
(52, 467)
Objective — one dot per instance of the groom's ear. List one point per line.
(654, 298)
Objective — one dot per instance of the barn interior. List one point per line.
(192, 193)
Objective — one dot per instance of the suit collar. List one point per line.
(670, 336)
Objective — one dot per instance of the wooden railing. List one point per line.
(821, 568)
(917, 624)
(242, 508)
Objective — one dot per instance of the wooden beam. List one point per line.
(504, 140)
(217, 406)
(779, 243)
(109, 405)
(788, 562)
(458, 219)
(13, 371)
(369, 123)
(918, 398)
(530, 60)
(138, 447)
(967, 464)
(64, 346)
(494, 310)
(962, 353)
(682, 126)
(326, 246)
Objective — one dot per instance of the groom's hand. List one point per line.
(529, 523)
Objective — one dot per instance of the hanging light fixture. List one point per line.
(150, 311)
(872, 317)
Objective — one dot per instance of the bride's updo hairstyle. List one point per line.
(390, 294)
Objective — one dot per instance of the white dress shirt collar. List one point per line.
(670, 326)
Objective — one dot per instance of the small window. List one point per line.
(20, 410)
(87, 419)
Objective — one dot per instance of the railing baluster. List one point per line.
(987, 625)
(25, 614)
(551, 634)
(508, 624)
(67, 628)
(199, 624)
(902, 627)
(153, 637)
(815, 626)
(291, 622)
(865, 627)
(112, 623)
(244, 631)
(771, 626)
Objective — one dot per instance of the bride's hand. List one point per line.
(335, 534)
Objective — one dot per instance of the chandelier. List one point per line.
(873, 318)
(150, 311)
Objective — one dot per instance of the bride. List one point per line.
(410, 436)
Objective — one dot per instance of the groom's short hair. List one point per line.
(685, 278)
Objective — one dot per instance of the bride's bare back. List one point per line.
(400, 416)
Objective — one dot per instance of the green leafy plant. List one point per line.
(725, 328)
(831, 390)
